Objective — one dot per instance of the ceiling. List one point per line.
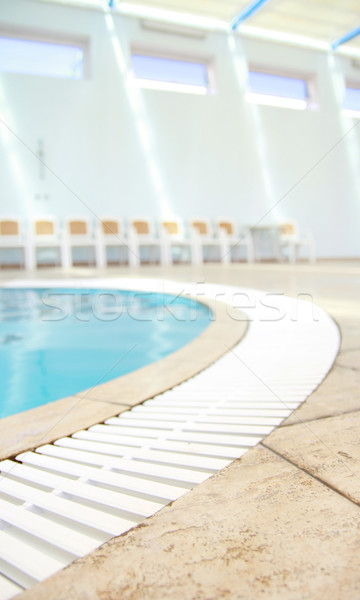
(322, 21)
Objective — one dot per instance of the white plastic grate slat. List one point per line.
(182, 423)
(8, 588)
(242, 420)
(190, 425)
(176, 458)
(101, 432)
(244, 441)
(92, 458)
(124, 482)
(171, 450)
(245, 408)
(203, 449)
(61, 536)
(64, 507)
(271, 403)
(102, 481)
(24, 557)
(176, 434)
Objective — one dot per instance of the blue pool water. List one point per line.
(58, 342)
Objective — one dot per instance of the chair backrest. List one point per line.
(110, 227)
(9, 227)
(141, 226)
(78, 227)
(287, 229)
(202, 227)
(226, 226)
(44, 227)
(171, 227)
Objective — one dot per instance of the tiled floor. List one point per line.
(281, 522)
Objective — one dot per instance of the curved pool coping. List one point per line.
(44, 424)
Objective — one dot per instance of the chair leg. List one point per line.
(153, 255)
(251, 253)
(29, 257)
(165, 253)
(65, 255)
(225, 251)
(134, 254)
(312, 252)
(250, 250)
(100, 255)
(196, 253)
(292, 252)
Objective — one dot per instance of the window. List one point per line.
(278, 90)
(161, 73)
(352, 101)
(41, 58)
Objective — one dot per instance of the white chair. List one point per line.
(233, 240)
(291, 242)
(45, 238)
(208, 247)
(14, 242)
(110, 238)
(144, 245)
(80, 238)
(177, 247)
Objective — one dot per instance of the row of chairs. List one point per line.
(107, 242)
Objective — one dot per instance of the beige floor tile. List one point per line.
(329, 449)
(350, 359)
(350, 338)
(338, 393)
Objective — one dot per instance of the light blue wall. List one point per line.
(115, 150)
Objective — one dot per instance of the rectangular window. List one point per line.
(352, 101)
(160, 73)
(278, 90)
(41, 58)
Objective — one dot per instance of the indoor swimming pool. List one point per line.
(57, 342)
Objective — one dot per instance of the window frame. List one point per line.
(350, 84)
(161, 85)
(283, 101)
(50, 37)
